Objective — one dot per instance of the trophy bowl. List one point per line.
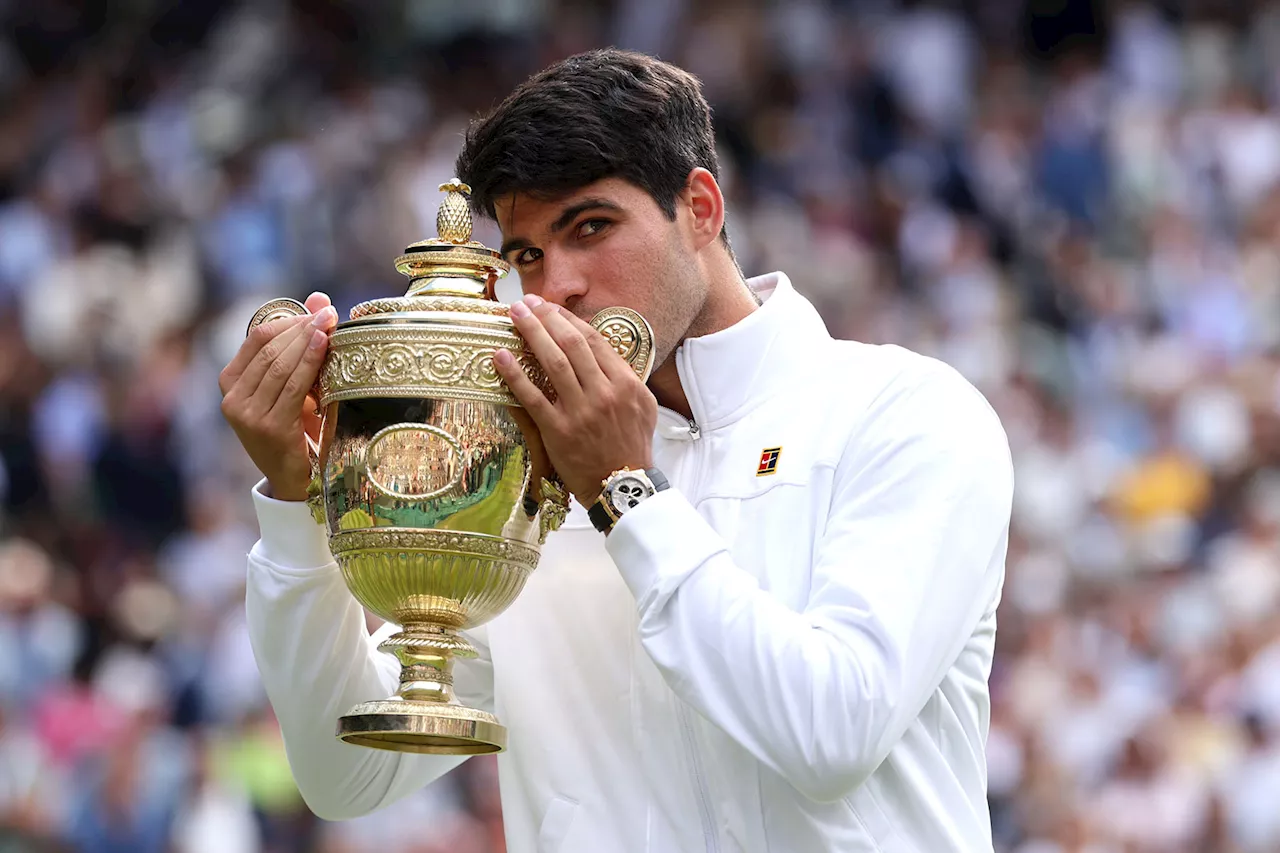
(430, 479)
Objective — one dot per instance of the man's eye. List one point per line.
(528, 256)
(592, 227)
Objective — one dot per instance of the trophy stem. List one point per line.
(426, 654)
(422, 716)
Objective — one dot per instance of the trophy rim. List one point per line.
(424, 728)
(430, 318)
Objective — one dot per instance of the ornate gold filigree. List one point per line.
(404, 361)
(451, 542)
(630, 335)
(554, 509)
(430, 638)
(315, 494)
(453, 304)
(453, 219)
(438, 710)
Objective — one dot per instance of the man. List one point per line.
(787, 649)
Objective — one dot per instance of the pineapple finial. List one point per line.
(453, 219)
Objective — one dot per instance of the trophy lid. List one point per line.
(451, 271)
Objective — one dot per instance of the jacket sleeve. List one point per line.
(317, 659)
(909, 559)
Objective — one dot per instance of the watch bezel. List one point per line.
(602, 511)
(614, 483)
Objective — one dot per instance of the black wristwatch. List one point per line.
(621, 491)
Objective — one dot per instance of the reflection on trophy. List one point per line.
(429, 478)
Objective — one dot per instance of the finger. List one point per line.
(257, 369)
(548, 353)
(317, 301)
(259, 337)
(573, 343)
(614, 366)
(268, 392)
(293, 394)
(529, 396)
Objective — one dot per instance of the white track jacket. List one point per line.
(793, 662)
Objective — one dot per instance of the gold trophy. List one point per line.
(429, 476)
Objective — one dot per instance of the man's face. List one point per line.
(606, 244)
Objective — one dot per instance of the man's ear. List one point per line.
(705, 203)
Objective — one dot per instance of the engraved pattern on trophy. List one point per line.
(434, 303)
(630, 336)
(401, 361)
(424, 480)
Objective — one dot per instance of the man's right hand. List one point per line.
(265, 395)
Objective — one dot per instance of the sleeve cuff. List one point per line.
(289, 535)
(660, 543)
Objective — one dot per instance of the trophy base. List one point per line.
(433, 728)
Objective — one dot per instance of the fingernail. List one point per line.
(533, 300)
(503, 358)
(519, 310)
(317, 339)
(324, 316)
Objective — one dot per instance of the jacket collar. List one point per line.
(729, 372)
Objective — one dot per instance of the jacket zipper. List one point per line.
(699, 784)
(710, 838)
(686, 724)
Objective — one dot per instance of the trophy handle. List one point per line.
(630, 335)
(274, 310)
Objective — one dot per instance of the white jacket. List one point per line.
(795, 662)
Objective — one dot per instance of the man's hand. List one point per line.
(604, 416)
(265, 395)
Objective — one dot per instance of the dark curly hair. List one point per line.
(600, 114)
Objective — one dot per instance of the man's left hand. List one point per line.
(603, 417)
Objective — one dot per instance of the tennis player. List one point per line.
(768, 622)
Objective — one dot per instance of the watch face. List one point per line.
(626, 492)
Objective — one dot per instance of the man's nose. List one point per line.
(562, 284)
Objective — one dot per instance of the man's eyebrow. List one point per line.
(583, 206)
(513, 245)
(566, 216)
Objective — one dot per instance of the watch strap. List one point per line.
(600, 517)
(658, 479)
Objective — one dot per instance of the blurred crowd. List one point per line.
(1076, 204)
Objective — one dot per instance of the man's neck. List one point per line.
(664, 382)
(729, 302)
